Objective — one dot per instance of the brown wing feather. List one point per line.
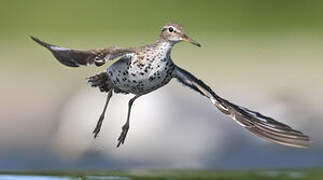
(258, 124)
(76, 58)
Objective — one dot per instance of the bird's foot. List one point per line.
(123, 134)
(98, 126)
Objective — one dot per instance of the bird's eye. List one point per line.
(170, 29)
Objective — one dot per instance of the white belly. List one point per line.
(140, 78)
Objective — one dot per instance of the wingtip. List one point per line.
(32, 37)
(301, 145)
(307, 143)
(297, 140)
(42, 43)
(35, 39)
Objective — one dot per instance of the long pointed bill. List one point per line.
(188, 39)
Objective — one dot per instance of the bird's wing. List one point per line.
(76, 58)
(255, 122)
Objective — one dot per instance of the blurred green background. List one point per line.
(266, 55)
(280, 28)
(143, 17)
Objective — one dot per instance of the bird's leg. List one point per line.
(125, 127)
(99, 123)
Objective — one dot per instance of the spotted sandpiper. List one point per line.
(142, 70)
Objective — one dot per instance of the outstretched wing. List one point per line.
(76, 58)
(255, 122)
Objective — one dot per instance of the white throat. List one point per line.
(164, 48)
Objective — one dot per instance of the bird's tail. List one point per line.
(102, 81)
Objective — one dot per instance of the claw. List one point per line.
(98, 126)
(123, 135)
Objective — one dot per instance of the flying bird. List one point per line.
(141, 70)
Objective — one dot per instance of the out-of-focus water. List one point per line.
(23, 177)
(30, 177)
(106, 178)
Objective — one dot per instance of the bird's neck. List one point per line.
(164, 47)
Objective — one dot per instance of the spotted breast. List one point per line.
(143, 72)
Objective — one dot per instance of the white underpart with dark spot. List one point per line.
(145, 72)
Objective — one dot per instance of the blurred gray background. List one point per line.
(264, 55)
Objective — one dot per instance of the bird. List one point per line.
(141, 70)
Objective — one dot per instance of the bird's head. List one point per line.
(174, 33)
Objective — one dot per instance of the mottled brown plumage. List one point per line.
(144, 69)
